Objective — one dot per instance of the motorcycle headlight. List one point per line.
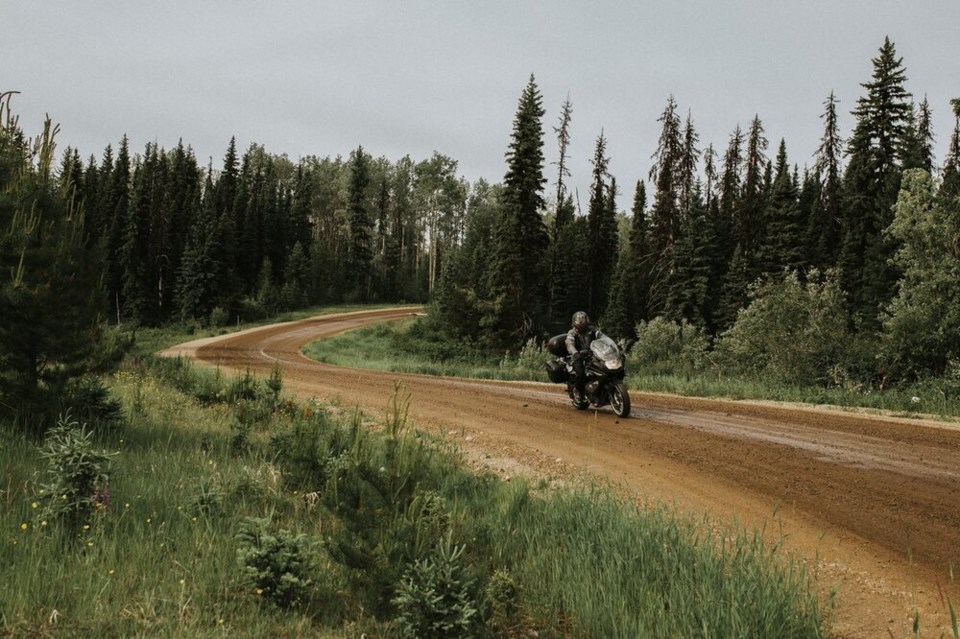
(613, 364)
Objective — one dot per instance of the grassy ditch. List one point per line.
(404, 347)
(220, 507)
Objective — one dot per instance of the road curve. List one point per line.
(870, 503)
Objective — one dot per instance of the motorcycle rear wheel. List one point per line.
(620, 399)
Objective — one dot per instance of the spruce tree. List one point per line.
(136, 254)
(722, 215)
(748, 216)
(117, 205)
(360, 255)
(182, 198)
(516, 280)
(601, 225)
(563, 171)
(665, 213)
(919, 138)
(950, 185)
(200, 269)
(688, 298)
(871, 183)
(784, 243)
(825, 222)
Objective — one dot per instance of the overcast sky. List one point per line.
(414, 77)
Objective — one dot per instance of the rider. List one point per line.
(581, 333)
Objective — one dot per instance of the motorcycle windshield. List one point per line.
(605, 349)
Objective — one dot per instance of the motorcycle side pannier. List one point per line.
(557, 371)
(557, 345)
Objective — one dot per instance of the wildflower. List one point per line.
(259, 591)
(34, 505)
(183, 582)
(43, 524)
(149, 519)
(89, 544)
(220, 621)
(86, 526)
(24, 526)
(110, 572)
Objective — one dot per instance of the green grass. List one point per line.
(162, 558)
(151, 340)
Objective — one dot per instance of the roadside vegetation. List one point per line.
(216, 506)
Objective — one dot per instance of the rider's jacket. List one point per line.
(580, 340)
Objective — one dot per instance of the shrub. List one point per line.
(219, 317)
(89, 399)
(276, 564)
(666, 346)
(434, 598)
(529, 362)
(502, 599)
(78, 475)
(302, 450)
(791, 332)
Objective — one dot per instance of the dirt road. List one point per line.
(871, 503)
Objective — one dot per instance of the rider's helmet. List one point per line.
(580, 321)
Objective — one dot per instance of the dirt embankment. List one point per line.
(870, 503)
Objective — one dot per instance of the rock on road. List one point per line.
(870, 503)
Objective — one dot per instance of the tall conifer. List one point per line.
(871, 183)
(516, 279)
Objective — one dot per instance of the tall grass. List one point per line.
(373, 512)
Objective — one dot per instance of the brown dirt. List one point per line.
(870, 503)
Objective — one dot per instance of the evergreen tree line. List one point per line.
(261, 234)
(719, 224)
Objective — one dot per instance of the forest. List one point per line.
(846, 269)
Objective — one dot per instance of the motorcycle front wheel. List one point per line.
(620, 399)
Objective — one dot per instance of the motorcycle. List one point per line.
(605, 369)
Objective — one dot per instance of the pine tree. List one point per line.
(521, 236)
(689, 297)
(50, 299)
(360, 255)
(182, 198)
(601, 225)
(950, 185)
(871, 183)
(665, 213)
(784, 244)
(919, 138)
(117, 209)
(199, 270)
(140, 232)
(563, 171)
(748, 217)
(825, 221)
